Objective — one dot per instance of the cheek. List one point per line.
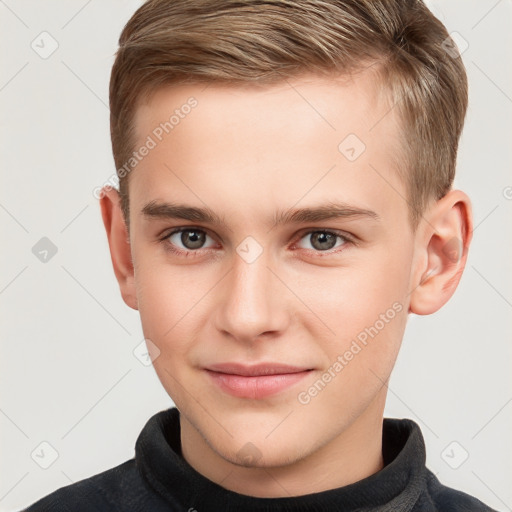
(170, 298)
(347, 299)
(365, 306)
(366, 309)
(170, 301)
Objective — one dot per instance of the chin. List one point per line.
(250, 456)
(255, 450)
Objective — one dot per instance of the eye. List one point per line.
(189, 239)
(322, 240)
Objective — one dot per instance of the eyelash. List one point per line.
(348, 240)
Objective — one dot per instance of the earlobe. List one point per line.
(445, 245)
(119, 244)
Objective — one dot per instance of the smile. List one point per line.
(255, 382)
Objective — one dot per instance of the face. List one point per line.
(272, 258)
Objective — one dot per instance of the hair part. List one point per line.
(267, 41)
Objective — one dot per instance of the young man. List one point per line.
(285, 202)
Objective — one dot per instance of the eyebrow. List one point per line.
(328, 211)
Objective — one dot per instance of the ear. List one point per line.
(443, 244)
(119, 243)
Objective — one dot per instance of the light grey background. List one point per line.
(67, 369)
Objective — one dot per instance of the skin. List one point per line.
(247, 153)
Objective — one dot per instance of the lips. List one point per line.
(255, 381)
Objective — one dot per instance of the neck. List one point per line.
(353, 455)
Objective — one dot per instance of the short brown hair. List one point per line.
(266, 41)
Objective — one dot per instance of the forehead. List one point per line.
(354, 99)
(300, 138)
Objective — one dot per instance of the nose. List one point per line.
(252, 303)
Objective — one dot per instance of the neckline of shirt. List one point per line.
(398, 484)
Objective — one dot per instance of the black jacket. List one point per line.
(158, 479)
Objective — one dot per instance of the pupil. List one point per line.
(192, 239)
(323, 241)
